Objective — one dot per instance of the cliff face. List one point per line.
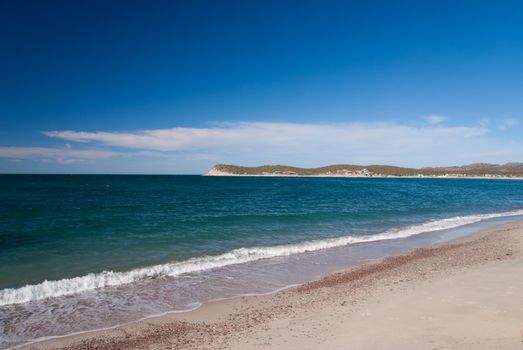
(217, 172)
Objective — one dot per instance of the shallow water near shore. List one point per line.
(208, 239)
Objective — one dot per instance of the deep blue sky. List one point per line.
(129, 66)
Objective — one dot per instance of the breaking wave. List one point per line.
(92, 281)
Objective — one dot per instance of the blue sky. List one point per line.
(175, 87)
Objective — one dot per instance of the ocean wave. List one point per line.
(48, 289)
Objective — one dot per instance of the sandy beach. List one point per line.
(465, 294)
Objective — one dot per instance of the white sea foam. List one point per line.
(92, 281)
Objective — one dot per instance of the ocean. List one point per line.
(82, 252)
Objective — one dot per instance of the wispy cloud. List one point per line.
(435, 119)
(283, 135)
(60, 155)
(306, 144)
(508, 123)
(484, 122)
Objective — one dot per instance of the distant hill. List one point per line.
(349, 170)
(485, 168)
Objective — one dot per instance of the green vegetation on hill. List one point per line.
(509, 169)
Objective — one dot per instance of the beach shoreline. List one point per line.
(301, 316)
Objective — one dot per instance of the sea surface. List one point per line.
(81, 252)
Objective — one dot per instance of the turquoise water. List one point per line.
(91, 235)
(54, 227)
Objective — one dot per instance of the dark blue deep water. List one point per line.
(54, 227)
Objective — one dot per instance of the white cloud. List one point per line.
(435, 119)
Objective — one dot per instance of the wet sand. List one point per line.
(465, 294)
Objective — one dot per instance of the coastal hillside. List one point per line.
(348, 170)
